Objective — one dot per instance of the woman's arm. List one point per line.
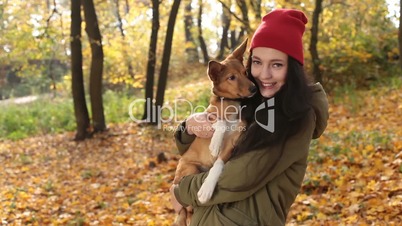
(196, 125)
(183, 138)
(248, 173)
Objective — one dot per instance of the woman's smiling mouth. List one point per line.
(267, 84)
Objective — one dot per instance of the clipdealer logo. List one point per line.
(269, 104)
(171, 112)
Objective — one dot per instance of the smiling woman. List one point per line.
(269, 67)
(262, 178)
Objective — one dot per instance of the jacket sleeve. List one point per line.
(321, 108)
(248, 173)
(182, 138)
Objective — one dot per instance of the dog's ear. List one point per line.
(214, 69)
(239, 51)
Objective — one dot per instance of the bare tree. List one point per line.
(245, 28)
(127, 57)
(235, 34)
(160, 94)
(150, 74)
(127, 7)
(256, 6)
(191, 47)
(201, 40)
(80, 107)
(313, 41)
(242, 4)
(225, 17)
(95, 86)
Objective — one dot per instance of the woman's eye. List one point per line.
(277, 65)
(256, 62)
(232, 77)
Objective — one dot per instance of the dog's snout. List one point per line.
(252, 89)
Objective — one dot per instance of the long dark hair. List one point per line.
(292, 103)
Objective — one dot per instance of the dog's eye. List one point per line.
(232, 77)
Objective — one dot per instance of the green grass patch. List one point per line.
(39, 117)
(55, 115)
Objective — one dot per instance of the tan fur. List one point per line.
(220, 73)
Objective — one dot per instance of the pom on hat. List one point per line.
(282, 29)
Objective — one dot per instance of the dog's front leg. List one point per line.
(208, 187)
(217, 138)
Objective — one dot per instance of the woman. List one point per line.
(262, 179)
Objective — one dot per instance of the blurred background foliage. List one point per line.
(357, 41)
(357, 44)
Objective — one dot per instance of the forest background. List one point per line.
(74, 149)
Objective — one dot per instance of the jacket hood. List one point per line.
(319, 103)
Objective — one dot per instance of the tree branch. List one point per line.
(234, 15)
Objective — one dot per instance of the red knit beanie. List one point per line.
(282, 29)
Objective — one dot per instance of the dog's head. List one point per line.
(229, 76)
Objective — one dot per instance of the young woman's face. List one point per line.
(269, 67)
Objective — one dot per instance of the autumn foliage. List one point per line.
(120, 176)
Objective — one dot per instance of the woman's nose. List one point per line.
(266, 72)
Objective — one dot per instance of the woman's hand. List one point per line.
(200, 124)
(176, 205)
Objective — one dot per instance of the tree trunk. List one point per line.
(127, 7)
(203, 46)
(191, 47)
(256, 6)
(244, 11)
(126, 56)
(80, 107)
(313, 41)
(235, 40)
(150, 76)
(246, 28)
(225, 32)
(160, 94)
(400, 34)
(95, 86)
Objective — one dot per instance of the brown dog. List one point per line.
(230, 84)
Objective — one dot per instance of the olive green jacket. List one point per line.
(255, 188)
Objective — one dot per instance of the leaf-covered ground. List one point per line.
(120, 178)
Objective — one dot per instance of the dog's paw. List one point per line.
(208, 187)
(214, 147)
(205, 192)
